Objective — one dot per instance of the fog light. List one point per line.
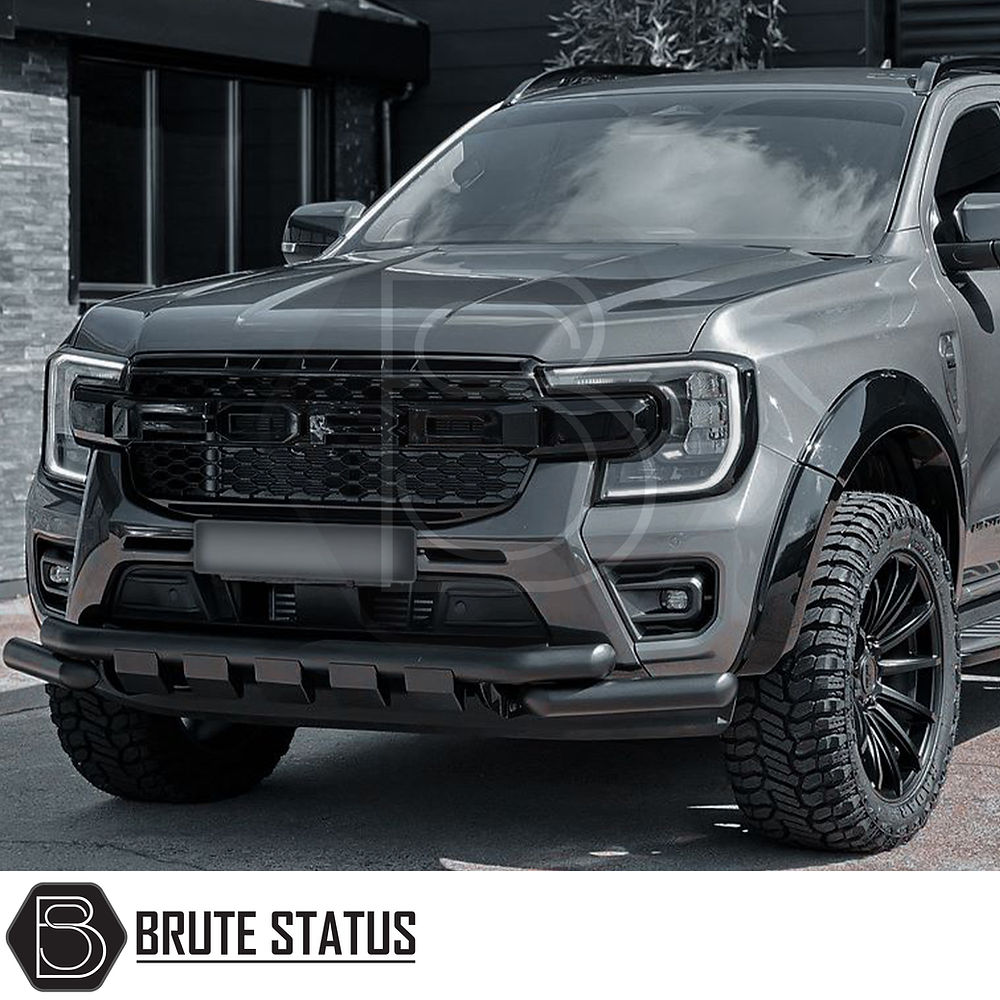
(675, 600)
(55, 573)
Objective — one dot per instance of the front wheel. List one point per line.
(845, 744)
(158, 758)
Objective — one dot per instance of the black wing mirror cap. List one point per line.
(312, 228)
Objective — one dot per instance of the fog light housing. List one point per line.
(54, 573)
(663, 599)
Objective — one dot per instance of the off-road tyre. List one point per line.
(157, 758)
(793, 752)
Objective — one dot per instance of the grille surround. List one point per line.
(345, 455)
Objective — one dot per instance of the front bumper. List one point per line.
(559, 692)
(554, 543)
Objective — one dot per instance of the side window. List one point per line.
(970, 163)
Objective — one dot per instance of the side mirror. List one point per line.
(312, 228)
(977, 217)
(977, 220)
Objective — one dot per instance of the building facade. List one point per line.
(480, 50)
(35, 308)
(149, 143)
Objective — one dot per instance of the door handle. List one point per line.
(949, 363)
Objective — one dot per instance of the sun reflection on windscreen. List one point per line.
(810, 172)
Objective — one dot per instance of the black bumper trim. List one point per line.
(690, 693)
(516, 665)
(285, 682)
(36, 661)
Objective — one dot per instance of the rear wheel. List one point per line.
(844, 745)
(160, 758)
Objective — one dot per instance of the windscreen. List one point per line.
(803, 170)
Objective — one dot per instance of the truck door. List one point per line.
(969, 144)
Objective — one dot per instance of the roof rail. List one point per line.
(935, 71)
(577, 76)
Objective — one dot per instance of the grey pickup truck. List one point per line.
(648, 405)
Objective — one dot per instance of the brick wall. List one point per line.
(35, 314)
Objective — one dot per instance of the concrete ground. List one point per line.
(15, 619)
(375, 801)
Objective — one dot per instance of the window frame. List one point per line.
(952, 107)
(315, 101)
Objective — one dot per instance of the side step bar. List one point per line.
(980, 643)
(979, 631)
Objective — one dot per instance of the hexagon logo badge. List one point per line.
(66, 936)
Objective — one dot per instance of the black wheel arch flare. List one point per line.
(875, 406)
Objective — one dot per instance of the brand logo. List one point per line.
(66, 936)
(366, 424)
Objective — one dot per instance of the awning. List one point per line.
(331, 41)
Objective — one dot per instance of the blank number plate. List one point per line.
(371, 554)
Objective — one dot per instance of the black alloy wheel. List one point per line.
(897, 675)
(845, 744)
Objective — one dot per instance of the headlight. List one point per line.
(703, 424)
(64, 457)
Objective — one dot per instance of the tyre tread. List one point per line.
(140, 756)
(788, 749)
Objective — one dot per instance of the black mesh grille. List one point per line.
(317, 474)
(356, 462)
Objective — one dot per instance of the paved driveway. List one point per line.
(360, 800)
(15, 619)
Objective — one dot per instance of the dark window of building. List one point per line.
(273, 159)
(111, 196)
(194, 159)
(184, 174)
